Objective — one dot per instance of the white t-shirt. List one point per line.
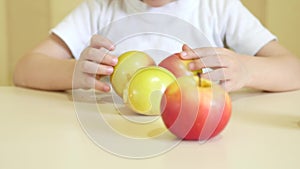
(132, 25)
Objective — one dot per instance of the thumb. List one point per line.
(186, 48)
(188, 53)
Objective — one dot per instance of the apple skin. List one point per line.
(178, 66)
(144, 91)
(193, 112)
(129, 62)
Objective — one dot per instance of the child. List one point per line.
(51, 64)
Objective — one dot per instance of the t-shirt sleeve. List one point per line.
(77, 28)
(244, 32)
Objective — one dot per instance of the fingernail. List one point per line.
(192, 66)
(183, 54)
(106, 88)
(110, 70)
(112, 47)
(115, 61)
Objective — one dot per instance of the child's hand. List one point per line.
(95, 62)
(228, 67)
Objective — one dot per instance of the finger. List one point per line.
(185, 47)
(214, 62)
(217, 75)
(102, 86)
(230, 86)
(98, 56)
(226, 85)
(98, 41)
(188, 52)
(89, 81)
(92, 83)
(95, 68)
(200, 53)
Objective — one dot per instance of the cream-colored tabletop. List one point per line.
(41, 130)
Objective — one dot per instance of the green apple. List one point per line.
(145, 89)
(129, 62)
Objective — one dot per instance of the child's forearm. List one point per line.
(39, 71)
(274, 73)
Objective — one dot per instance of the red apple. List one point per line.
(178, 66)
(195, 111)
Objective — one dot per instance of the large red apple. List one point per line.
(195, 111)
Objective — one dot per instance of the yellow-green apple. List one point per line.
(129, 62)
(195, 111)
(145, 89)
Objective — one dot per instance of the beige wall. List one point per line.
(27, 24)
(257, 7)
(3, 46)
(23, 23)
(283, 18)
(60, 8)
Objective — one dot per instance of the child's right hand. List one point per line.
(95, 62)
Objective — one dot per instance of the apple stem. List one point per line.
(199, 76)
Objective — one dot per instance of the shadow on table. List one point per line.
(92, 96)
(104, 101)
(262, 112)
(245, 93)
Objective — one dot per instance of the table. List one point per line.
(40, 129)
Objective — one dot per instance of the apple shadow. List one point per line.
(107, 103)
(91, 96)
(162, 133)
(124, 110)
